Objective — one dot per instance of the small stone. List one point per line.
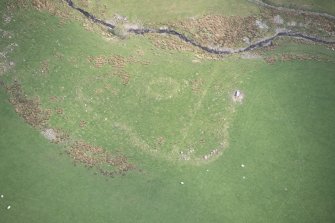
(1, 196)
(8, 207)
(243, 177)
(242, 165)
(182, 183)
(246, 40)
(237, 93)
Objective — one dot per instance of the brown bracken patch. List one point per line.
(98, 61)
(219, 30)
(61, 136)
(170, 43)
(197, 85)
(92, 157)
(82, 124)
(59, 111)
(49, 6)
(125, 76)
(53, 99)
(96, 157)
(116, 61)
(28, 109)
(44, 68)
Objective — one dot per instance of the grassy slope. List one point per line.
(164, 11)
(77, 80)
(327, 6)
(282, 133)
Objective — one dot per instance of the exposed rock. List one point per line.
(120, 17)
(6, 18)
(278, 20)
(246, 40)
(261, 25)
(292, 23)
(49, 134)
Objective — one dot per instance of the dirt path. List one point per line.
(219, 51)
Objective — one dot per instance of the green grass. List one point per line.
(139, 110)
(288, 139)
(282, 132)
(156, 12)
(327, 6)
(283, 135)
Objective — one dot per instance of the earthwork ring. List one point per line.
(163, 88)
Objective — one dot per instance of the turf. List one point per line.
(283, 136)
(282, 132)
(136, 110)
(327, 6)
(156, 12)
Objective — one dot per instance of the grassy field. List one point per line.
(327, 6)
(152, 104)
(167, 85)
(167, 11)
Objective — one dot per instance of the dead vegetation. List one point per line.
(56, 136)
(59, 111)
(28, 109)
(44, 67)
(43, 5)
(118, 62)
(123, 75)
(167, 42)
(82, 124)
(217, 31)
(81, 152)
(53, 7)
(197, 85)
(310, 23)
(96, 157)
(50, 6)
(220, 31)
(98, 61)
(170, 43)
